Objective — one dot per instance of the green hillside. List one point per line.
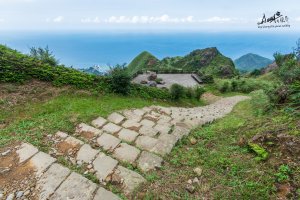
(251, 61)
(208, 60)
(144, 60)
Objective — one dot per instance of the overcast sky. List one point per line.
(169, 15)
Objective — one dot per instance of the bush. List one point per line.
(119, 79)
(260, 102)
(199, 91)
(149, 92)
(189, 92)
(177, 91)
(224, 87)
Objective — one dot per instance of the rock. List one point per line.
(19, 194)
(198, 171)
(111, 128)
(99, 122)
(196, 180)
(152, 84)
(6, 152)
(152, 76)
(193, 140)
(190, 188)
(143, 82)
(27, 192)
(10, 196)
(190, 181)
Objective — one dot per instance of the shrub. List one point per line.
(177, 91)
(199, 91)
(149, 92)
(224, 87)
(260, 102)
(119, 79)
(44, 55)
(189, 92)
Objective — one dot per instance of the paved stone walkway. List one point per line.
(140, 137)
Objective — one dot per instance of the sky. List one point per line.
(143, 15)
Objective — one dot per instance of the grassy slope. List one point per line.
(141, 62)
(33, 121)
(229, 170)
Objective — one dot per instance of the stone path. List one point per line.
(105, 148)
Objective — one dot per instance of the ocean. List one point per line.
(86, 49)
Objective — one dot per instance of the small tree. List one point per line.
(177, 91)
(297, 49)
(120, 79)
(44, 55)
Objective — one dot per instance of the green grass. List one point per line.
(230, 171)
(32, 122)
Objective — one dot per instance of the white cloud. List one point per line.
(57, 19)
(217, 19)
(91, 20)
(148, 19)
(297, 19)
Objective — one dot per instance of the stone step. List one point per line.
(54, 181)
(95, 161)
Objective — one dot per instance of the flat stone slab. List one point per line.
(104, 166)
(148, 131)
(61, 134)
(147, 122)
(162, 128)
(86, 153)
(146, 142)
(132, 125)
(139, 112)
(111, 128)
(41, 161)
(116, 118)
(165, 144)
(126, 153)
(73, 141)
(149, 161)
(132, 116)
(180, 131)
(99, 122)
(131, 179)
(127, 135)
(103, 194)
(108, 142)
(75, 187)
(52, 178)
(87, 131)
(26, 151)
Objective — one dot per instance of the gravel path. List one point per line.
(105, 147)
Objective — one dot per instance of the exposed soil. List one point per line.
(210, 98)
(65, 147)
(16, 177)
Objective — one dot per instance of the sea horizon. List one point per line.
(84, 49)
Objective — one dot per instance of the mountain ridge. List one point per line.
(208, 61)
(251, 61)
